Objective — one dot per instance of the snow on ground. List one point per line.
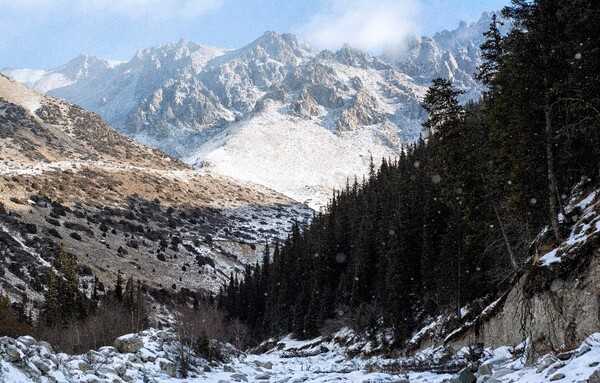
(13, 168)
(151, 356)
(587, 225)
(297, 157)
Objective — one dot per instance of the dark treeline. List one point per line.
(452, 219)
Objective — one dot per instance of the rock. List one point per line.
(546, 362)
(584, 349)
(485, 369)
(106, 370)
(146, 355)
(207, 369)
(267, 365)
(128, 343)
(593, 364)
(46, 346)
(595, 377)
(265, 376)
(557, 376)
(228, 368)
(167, 367)
(120, 369)
(555, 367)
(26, 340)
(239, 377)
(565, 355)
(465, 376)
(13, 354)
(42, 365)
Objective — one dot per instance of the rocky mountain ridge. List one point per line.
(225, 109)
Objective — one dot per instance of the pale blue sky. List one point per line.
(47, 33)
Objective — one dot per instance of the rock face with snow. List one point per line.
(556, 303)
(67, 178)
(274, 109)
(452, 54)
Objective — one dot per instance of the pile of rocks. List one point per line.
(150, 356)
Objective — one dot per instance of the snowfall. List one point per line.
(151, 356)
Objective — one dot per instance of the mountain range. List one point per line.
(274, 112)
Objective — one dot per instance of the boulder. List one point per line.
(239, 377)
(42, 365)
(267, 365)
(556, 366)
(584, 349)
(265, 376)
(27, 340)
(465, 376)
(595, 377)
(167, 367)
(128, 343)
(565, 355)
(13, 354)
(46, 346)
(557, 376)
(485, 369)
(546, 362)
(228, 368)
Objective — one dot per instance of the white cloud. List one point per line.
(159, 9)
(364, 24)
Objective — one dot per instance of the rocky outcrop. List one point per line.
(555, 305)
(305, 105)
(363, 111)
(152, 355)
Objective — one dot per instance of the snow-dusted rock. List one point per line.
(128, 343)
(12, 353)
(167, 366)
(485, 369)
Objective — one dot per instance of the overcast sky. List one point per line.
(47, 33)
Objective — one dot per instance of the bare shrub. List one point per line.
(202, 329)
(110, 320)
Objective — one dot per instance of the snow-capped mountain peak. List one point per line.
(225, 109)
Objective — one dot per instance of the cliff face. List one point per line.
(555, 304)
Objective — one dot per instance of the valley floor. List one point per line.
(151, 356)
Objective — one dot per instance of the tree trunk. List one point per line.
(509, 249)
(552, 184)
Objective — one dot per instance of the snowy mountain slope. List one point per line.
(452, 54)
(67, 178)
(298, 157)
(187, 99)
(79, 69)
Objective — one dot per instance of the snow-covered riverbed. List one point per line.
(151, 356)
